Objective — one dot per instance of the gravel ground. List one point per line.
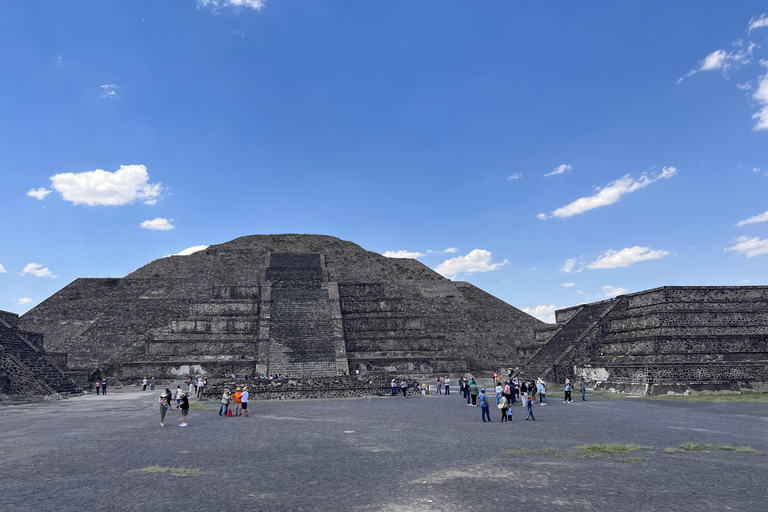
(380, 454)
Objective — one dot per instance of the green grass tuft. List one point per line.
(611, 448)
(670, 450)
(517, 452)
(177, 472)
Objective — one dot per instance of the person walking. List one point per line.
(404, 387)
(191, 390)
(484, 405)
(538, 388)
(498, 389)
(184, 409)
(529, 404)
(165, 404)
(506, 392)
(244, 400)
(104, 387)
(543, 393)
(583, 389)
(224, 403)
(466, 392)
(462, 389)
(394, 387)
(177, 395)
(504, 406)
(144, 384)
(568, 389)
(473, 392)
(152, 384)
(98, 387)
(447, 385)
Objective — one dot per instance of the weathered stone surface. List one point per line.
(301, 305)
(688, 335)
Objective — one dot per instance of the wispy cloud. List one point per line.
(99, 187)
(560, 169)
(609, 194)
(39, 193)
(569, 267)
(23, 300)
(625, 257)
(760, 22)
(256, 5)
(723, 61)
(749, 247)
(543, 313)
(2, 270)
(449, 250)
(478, 260)
(515, 176)
(402, 253)
(110, 91)
(37, 271)
(754, 220)
(569, 285)
(761, 95)
(157, 224)
(612, 291)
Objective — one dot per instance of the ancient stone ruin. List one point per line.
(674, 338)
(25, 367)
(297, 305)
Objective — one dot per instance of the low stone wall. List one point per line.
(329, 387)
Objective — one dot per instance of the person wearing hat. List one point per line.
(244, 399)
(165, 404)
(238, 402)
(224, 403)
(483, 398)
(568, 388)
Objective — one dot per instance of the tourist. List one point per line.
(404, 387)
(498, 389)
(234, 378)
(144, 384)
(238, 403)
(177, 395)
(165, 404)
(507, 392)
(484, 405)
(504, 406)
(184, 409)
(583, 389)
(98, 386)
(439, 385)
(466, 392)
(104, 387)
(191, 390)
(152, 384)
(529, 404)
(543, 393)
(516, 388)
(532, 389)
(224, 403)
(462, 388)
(244, 400)
(423, 388)
(568, 389)
(473, 392)
(394, 387)
(447, 385)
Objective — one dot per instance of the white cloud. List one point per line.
(478, 260)
(59, 60)
(746, 86)
(612, 291)
(39, 193)
(403, 254)
(569, 267)
(2, 270)
(450, 250)
(609, 194)
(37, 271)
(126, 185)
(110, 91)
(626, 257)
(23, 300)
(755, 169)
(723, 61)
(560, 169)
(754, 23)
(543, 313)
(158, 223)
(744, 281)
(191, 250)
(749, 247)
(754, 220)
(256, 5)
(761, 95)
(568, 285)
(515, 176)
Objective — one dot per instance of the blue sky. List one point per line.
(551, 154)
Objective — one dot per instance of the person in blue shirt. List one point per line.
(529, 404)
(483, 398)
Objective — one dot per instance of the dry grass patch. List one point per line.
(177, 472)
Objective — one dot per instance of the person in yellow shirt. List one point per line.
(238, 402)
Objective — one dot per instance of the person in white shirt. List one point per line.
(447, 385)
(244, 400)
(178, 395)
(144, 384)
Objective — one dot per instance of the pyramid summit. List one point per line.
(293, 304)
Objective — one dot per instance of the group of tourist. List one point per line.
(182, 402)
(101, 386)
(240, 399)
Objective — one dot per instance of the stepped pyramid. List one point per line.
(297, 305)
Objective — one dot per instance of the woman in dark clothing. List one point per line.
(184, 409)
